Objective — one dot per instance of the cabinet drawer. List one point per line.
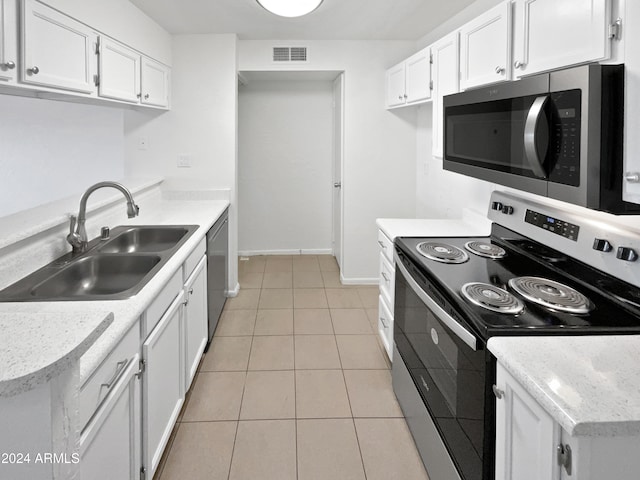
(162, 301)
(193, 259)
(387, 279)
(385, 326)
(98, 386)
(386, 245)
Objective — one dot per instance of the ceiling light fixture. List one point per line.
(290, 8)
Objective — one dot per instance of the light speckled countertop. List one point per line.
(589, 384)
(42, 364)
(472, 224)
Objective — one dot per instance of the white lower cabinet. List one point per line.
(195, 320)
(110, 442)
(386, 297)
(162, 384)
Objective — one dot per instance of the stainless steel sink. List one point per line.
(144, 239)
(111, 269)
(97, 275)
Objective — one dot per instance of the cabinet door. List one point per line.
(57, 51)
(110, 443)
(485, 48)
(395, 85)
(8, 40)
(195, 320)
(631, 190)
(446, 62)
(119, 69)
(526, 435)
(155, 83)
(162, 384)
(550, 34)
(418, 76)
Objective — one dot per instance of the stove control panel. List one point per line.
(553, 225)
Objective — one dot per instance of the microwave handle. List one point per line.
(534, 116)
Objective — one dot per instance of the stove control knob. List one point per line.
(496, 206)
(602, 245)
(507, 209)
(627, 254)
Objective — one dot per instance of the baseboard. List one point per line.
(358, 281)
(234, 292)
(303, 251)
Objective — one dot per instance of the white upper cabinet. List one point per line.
(551, 34)
(446, 63)
(119, 70)
(57, 51)
(418, 76)
(409, 82)
(395, 85)
(485, 48)
(8, 41)
(155, 83)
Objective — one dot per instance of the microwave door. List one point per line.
(536, 136)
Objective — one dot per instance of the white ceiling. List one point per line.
(333, 20)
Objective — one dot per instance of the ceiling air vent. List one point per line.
(289, 54)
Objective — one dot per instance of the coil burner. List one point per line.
(492, 298)
(487, 250)
(550, 294)
(441, 252)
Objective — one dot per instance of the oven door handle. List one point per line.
(534, 117)
(462, 333)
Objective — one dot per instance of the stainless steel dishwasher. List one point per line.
(217, 269)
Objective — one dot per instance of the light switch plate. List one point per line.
(184, 161)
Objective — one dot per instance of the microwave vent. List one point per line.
(289, 54)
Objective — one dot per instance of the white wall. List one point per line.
(284, 166)
(379, 146)
(201, 124)
(121, 20)
(50, 150)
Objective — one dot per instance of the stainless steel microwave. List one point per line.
(557, 134)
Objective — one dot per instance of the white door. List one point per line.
(551, 34)
(162, 384)
(110, 443)
(8, 40)
(445, 81)
(119, 69)
(395, 86)
(526, 435)
(155, 83)
(195, 320)
(57, 51)
(485, 48)
(418, 76)
(338, 152)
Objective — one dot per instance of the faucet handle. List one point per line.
(72, 223)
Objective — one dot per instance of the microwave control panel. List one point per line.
(565, 137)
(553, 225)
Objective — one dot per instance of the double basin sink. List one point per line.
(115, 268)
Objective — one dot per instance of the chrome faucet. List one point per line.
(77, 237)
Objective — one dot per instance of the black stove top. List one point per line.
(615, 305)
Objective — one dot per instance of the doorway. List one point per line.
(289, 159)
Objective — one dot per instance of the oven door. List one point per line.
(452, 373)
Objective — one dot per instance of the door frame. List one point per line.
(337, 238)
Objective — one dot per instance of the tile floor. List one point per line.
(295, 385)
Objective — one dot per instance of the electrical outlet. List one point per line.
(143, 143)
(184, 161)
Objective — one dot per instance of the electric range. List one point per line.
(544, 270)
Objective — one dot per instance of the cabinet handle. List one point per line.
(384, 275)
(146, 96)
(384, 324)
(191, 291)
(632, 177)
(185, 303)
(405, 96)
(400, 97)
(33, 71)
(139, 95)
(563, 453)
(518, 64)
(382, 245)
(119, 368)
(8, 65)
(499, 70)
(497, 392)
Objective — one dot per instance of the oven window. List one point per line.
(450, 377)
